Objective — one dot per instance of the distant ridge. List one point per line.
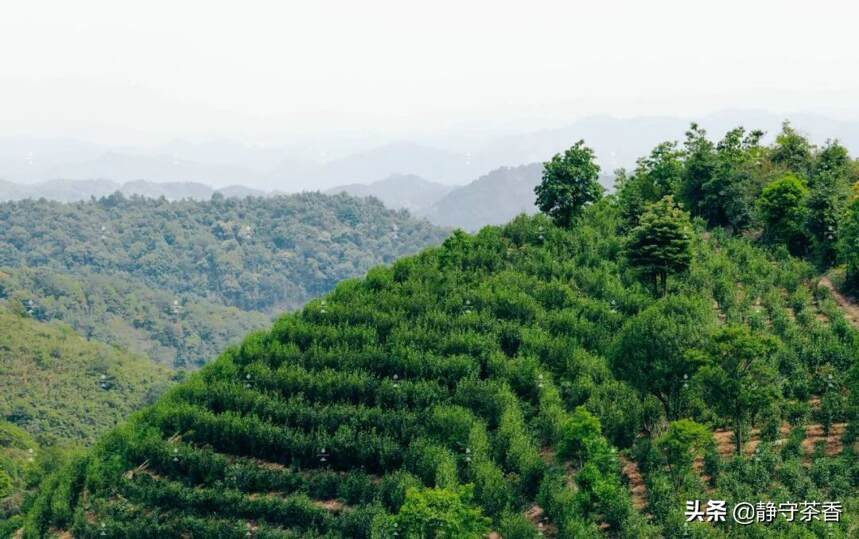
(75, 190)
(399, 191)
(492, 199)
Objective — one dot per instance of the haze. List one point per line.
(321, 80)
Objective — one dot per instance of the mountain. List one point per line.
(483, 384)
(363, 167)
(178, 281)
(399, 191)
(124, 167)
(320, 165)
(116, 308)
(492, 199)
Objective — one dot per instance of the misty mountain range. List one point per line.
(617, 142)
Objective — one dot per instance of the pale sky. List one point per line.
(145, 72)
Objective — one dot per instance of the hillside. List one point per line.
(399, 191)
(59, 391)
(496, 361)
(60, 387)
(178, 281)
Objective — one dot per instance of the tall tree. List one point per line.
(738, 379)
(783, 212)
(655, 176)
(792, 151)
(848, 241)
(661, 243)
(570, 182)
(653, 349)
(699, 167)
(728, 195)
(829, 192)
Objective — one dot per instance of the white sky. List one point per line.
(132, 72)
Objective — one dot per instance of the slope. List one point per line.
(482, 375)
(60, 387)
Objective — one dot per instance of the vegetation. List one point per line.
(60, 387)
(570, 182)
(178, 281)
(660, 244)
(522, 380)
(58, 391)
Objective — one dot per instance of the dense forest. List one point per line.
(583, 373)
(178, 281)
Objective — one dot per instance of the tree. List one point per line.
(848, 241)
(727, 194)
(738, 379)
(699, 167)
(578, 433)
(570, 182)
(783, 212)
(655, 176)
(680, 445)
(829, 192)
(660, 245)
(441, 513)
(792, 151)
(652, 349)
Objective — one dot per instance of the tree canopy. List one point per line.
(570, 182)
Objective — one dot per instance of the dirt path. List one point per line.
(813, 434)
(636, 483)
(848, 307)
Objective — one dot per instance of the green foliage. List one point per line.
(660, 245)
(848, 243)
(739, 378)
(570, 182)
(680, 444)
(656, 176)
(512, 361)
(440, 513)
(718, 181)
(792, 151)
(652, 351)
(52, 379)
(782, 206)
(179, 281)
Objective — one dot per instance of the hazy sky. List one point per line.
(146, 72)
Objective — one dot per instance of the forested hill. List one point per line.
(581, 373)
(177, 281)
(490, 381)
